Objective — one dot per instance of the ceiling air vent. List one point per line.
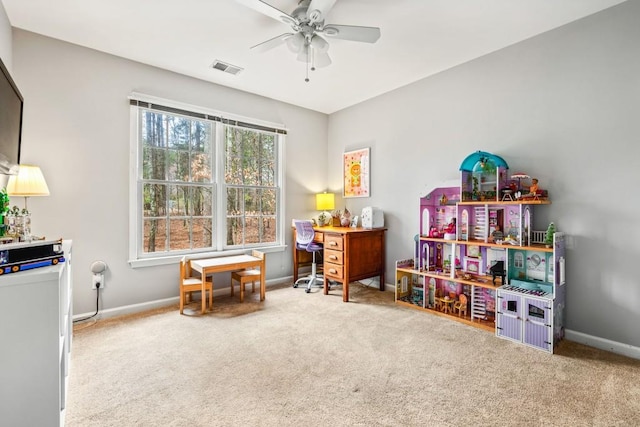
(227, 68)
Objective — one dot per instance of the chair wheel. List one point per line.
(307, 290)
(295, 285)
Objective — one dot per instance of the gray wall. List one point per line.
(563, 107)
(76, 128)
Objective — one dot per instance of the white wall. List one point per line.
(563, 107)
(76, 127)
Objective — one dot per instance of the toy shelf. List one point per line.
(487, 325)
(480, 280)
(504, 202)
(410, 293)
(532, 247)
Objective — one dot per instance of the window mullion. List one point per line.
(219, 187)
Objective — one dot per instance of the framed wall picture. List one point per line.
(356, 173)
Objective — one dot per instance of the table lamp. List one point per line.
(325, 202)
(29, 182)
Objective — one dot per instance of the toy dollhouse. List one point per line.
(476, 240)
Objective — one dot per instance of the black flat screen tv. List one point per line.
(11, 105)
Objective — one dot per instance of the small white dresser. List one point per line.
(36, 334)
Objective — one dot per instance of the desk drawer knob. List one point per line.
(333, 257)
(333, 271)
(332, 243)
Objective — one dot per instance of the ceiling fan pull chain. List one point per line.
(307, 67)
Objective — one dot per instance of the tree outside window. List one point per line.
(183, 197)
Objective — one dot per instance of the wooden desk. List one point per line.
(349, 254)
(206, 266)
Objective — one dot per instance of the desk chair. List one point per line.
(247, 276)
(304, 241)
(189, 284)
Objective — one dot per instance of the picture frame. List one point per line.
(355, 172)
(472, 265)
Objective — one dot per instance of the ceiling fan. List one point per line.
(307, 23)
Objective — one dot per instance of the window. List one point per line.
(203, 183)
(518, 260)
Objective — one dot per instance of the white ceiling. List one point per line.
(419, 38)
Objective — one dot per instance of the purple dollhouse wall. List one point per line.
(432, 208)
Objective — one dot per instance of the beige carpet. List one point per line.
(302, 359)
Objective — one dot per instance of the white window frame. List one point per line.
(136, 256)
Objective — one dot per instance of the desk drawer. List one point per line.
(334, 257)
(333, 241)
(318, 237)
(333, 271)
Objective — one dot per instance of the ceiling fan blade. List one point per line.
(270, 11)
(318, 10)
(270, 44)
(352, 32)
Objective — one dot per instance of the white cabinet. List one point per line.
(36, 332)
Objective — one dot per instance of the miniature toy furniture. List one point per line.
(189, 283)
(437, 299)
(247, 276)
(304, 240)
(446, 304)
(461, 305)
(497, 270)
(527, 305)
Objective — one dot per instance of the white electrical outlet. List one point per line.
(97, 278)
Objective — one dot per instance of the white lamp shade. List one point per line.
(29, 182)
(295, 43)
(319, 44)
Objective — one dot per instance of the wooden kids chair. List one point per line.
(189, 284)
(246, 276)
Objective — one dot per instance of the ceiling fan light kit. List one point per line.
(307, 22)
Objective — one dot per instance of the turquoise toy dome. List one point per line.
(470, 162)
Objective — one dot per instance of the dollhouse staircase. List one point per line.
(479, 212)
(478, 305)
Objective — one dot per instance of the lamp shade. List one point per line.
(29, 182)
(325, 201)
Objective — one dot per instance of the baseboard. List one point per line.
(603, 344)
(150, 305)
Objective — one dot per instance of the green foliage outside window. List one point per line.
(180, 192)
